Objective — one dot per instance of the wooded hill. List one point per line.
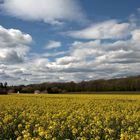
(120, 84)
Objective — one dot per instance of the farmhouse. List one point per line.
(37, 92)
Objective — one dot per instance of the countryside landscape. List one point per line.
(69, 70)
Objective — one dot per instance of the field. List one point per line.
(70, 117)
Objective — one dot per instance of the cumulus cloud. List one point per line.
(110, 29)
(49, 11)
(12, 38)
(84, 60)
(13, 45)
(10, 57)
(52, 44)
(97, 59)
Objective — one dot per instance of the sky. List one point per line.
(68, 40)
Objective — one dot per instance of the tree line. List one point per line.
(102, 85)
(3, 88)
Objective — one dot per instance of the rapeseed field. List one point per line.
(70, 117)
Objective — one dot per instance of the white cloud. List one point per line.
(11, 38)
(85, 60)
(110, 29)
(97, 59)
(49, 11)
(66, 60)
(52, 44)
(120, 51)
(55, 54)
(10, 57)
(136, 35)
(13, 45)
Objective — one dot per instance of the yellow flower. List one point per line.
(19, 138)
(83, 138)
(20, 126)
(74, 131)
(41, 133)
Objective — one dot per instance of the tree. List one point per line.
(3, 88)
(1, 85)
(5, 85)
(54, 90)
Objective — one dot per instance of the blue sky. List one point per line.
(68, 40)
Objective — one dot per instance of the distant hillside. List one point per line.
(120, 84)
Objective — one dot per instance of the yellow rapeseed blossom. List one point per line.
(70, 117)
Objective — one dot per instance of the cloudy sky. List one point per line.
(68, 40)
